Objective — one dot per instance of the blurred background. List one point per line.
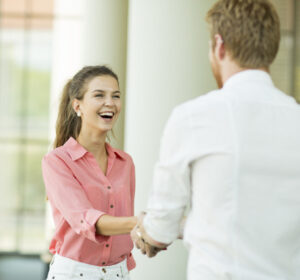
(159, 50)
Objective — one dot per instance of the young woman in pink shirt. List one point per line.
(90, 185)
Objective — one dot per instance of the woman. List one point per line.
(90, 184)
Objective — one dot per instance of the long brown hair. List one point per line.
(67, 123)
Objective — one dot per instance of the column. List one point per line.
(104, 41)
(167, 64)
(88, 32)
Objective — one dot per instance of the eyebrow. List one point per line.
(102, 91)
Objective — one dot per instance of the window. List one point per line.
(25, 66)
(286, 68)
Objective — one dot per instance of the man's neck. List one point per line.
(231, 68)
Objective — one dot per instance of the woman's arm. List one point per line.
(109, 225)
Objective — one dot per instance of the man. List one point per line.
(234, 154)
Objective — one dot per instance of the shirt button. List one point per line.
(103, 263)
(104, 270)
(111, 206)
(109, 187)
(107, 245)
(81, 221)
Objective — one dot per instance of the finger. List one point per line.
(140, 245)
(150, 250)
(137, 245)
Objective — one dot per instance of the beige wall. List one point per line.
(88, 33)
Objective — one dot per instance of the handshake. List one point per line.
(143, 241)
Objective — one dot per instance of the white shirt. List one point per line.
(234, 153)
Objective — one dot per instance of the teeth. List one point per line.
(106, 114)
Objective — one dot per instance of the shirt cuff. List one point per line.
(156, 230)
(89, 231)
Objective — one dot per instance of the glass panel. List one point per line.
(8, 22)
(281, 70)
(32, 230)
(13, 6)
(11, 80)
(9, 180)
(285, 11)
(34, 193)
(25, 65)
(41, 23)
(9, 195)
(8, 230)
(42, 7)
(32, 238)
(39, 83)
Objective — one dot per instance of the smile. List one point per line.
(107, 115)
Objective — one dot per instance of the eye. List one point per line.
(99, 95)
(116, 96)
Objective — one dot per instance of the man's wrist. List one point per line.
(146, 238)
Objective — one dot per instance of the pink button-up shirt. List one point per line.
(80, 194)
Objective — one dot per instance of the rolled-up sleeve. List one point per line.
(171, 184)
(193, 132)
(69, 198)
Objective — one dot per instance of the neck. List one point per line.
(231, 68)
(92, 142)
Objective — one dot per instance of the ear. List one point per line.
(219, 47)
(76, 105)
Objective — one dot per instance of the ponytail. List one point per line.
(67, 124)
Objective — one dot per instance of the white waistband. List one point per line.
(66, 264)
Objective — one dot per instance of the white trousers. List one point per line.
(62, 268)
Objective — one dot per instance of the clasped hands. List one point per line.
(143, 241)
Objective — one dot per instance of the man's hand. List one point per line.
(143, 241)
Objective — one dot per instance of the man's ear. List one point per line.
(219, 47)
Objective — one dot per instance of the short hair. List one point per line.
(250, 30)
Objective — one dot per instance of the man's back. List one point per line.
(245, 218)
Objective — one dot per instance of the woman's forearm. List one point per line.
(110, 225)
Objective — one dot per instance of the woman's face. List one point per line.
(101, 104)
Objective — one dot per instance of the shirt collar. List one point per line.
(114, 152)
(76, 151)
(250, 75)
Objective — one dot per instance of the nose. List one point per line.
(108, 101)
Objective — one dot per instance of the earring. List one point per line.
(78, 114)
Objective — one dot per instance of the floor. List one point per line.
(16, 267)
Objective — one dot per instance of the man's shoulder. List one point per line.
(208, 101)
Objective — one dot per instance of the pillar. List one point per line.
(167, 64)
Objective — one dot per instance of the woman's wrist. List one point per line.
(132, 223)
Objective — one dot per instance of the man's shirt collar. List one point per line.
(250, 75)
